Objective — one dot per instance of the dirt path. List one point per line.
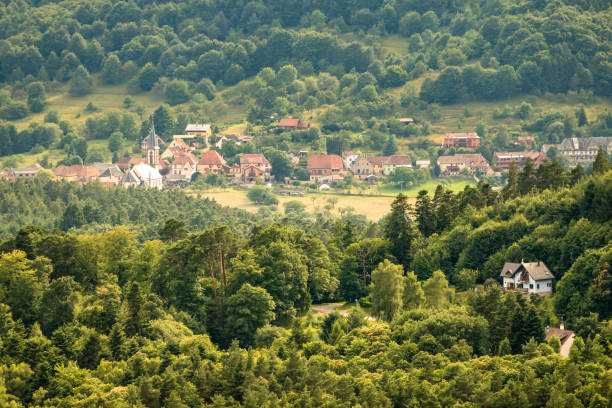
(329, 308)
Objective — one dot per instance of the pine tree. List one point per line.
(576, 175)
(399, 231)
(425, 214)
(601, 164)
(527, 178)
(117, 342)
(135, 320)
(581, 116)
(390, 147)
(90, 354)
(504, 347)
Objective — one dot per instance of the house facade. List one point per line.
(362, 167)
(394, 162)
(503, 160)
(468, 140)
(182, 168)
(247, 161)
(23, 172)
(203, 130)
(530, 277)
(584, 150)
(252, 173)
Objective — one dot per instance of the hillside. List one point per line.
(349, 68)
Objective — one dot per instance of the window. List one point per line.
(531, 286)
(538, 286)
(549, 284)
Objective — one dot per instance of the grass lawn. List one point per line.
(373, 208)
(453, 184)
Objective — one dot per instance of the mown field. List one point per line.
(372, 207)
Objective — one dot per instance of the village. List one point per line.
(191, 155)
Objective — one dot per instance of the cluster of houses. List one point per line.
(576, 150)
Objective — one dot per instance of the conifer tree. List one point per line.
(90, 354)
(601, 163)
(135, 320)
(399, 231)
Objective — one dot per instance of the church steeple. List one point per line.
(152, 147)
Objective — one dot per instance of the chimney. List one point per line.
(562, 325)
(538, 263)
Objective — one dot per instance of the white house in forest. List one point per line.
(530, 277)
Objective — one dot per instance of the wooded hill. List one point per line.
(289, 57)
(219, 318)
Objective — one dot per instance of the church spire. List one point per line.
(152, 147)
(152, 142)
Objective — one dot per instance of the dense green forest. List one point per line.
(219, 316)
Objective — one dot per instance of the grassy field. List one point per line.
(450, 184)
(373, 208)
(104, 98)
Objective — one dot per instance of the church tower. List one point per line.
(152, 148)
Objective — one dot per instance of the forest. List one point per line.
(213, 314)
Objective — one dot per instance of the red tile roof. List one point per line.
(399, 161)
(321, 161)
(211, 158)
(378, 160)
(289, 122)
(254, 159)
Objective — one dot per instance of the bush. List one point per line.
(13, 111)
(176, 92)
(261, 195)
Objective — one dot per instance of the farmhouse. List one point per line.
(293, 124)
(23, 172)
(325, 168)
(394, 162)
(257, 160)
(77, 172)
(530, 277)
(210, 162)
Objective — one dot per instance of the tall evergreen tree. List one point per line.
(601, 163)
(399, 231)
(425, 215)
(135, 307)
(527, 178)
